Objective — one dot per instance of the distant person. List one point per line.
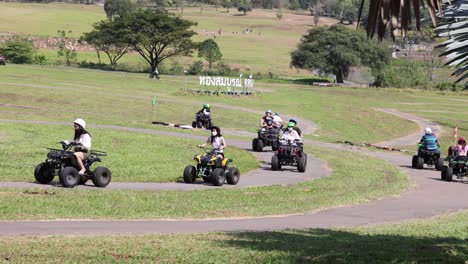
(155, 74)
(297, 129)
(461, 149)
(277, 119)
(291, 134)
(267, 120)
(216, 140)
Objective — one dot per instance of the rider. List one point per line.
(429, 142)
(462, 148)
(83, 139)
(204, 112)
(290, 133)
(267, 120)
(294, 121)
(218, 143)
(277, 119)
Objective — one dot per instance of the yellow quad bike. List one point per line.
(207, 170)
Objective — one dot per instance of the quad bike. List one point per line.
(202, 120)
(62, 162)
(2, 60)
(431, 158)
(209, 172)
(458, 166)
(266, 137)
(289, 153)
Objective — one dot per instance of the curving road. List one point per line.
(428, 197)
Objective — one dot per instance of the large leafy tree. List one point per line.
(118, 8)
(209, 50)
(157, 35)
(110, 38)
(335, 49)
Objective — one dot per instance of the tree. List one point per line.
(65, 48)
(244, 6)
(18, 50)
(157, 35)
(209, 50)
(108, 37)
(335, 49)
(227, 4)
(118, 8)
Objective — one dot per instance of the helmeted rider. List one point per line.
(83, 139)
(290, 133)
(216, 140)
(294, 121)
(267, 121)
(461, 148)
(204, 112)
(277, 119)
(429, 142)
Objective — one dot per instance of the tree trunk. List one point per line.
(339, 77)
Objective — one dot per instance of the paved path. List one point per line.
(428, 197)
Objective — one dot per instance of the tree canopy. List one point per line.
(118, 8)
(335, 49)
(157, 35)
(209, 50)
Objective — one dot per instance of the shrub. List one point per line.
(196, 68)
(18, 50)
(40, 59)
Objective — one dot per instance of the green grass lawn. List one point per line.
(436, 240)
(354, 179)
(133, 157)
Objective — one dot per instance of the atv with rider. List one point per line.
(267, 136)
(429, 157)
(290, 153)
(457, 165)
(2, 60)
(202, 120)
(209, 172)
(62, 162)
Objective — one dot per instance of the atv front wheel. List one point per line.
(443, 173)
(440, 164)
(233, 175)
(414, 161)
(69, 177)
(194, 124)
(259, 145)
(43, 173)
(254, 144)
(101, 177)
(190, 173)
(449, 174)
(275, 164)
(218, 177)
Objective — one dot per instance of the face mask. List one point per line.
(214, 133)
(290, 128)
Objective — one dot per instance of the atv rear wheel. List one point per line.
(275, 164)
(443, 173)
(43, 173)
(194, 124)
(199, 124)
(440, 164)
(420, 163)
(101, 177)
(218, 177)
(449, 174)
(233, 175)
(190, 173)
(414, 161)
(69, 177)
(302, 164)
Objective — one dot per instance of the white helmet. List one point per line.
(428, 130)
(80, 122)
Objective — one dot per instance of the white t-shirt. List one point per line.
(217, 143)
(85, 141)
(277, 119)
(291, 135)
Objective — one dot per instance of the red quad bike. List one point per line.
(290, 153)
(62, 162)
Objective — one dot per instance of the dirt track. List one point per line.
(428, 197)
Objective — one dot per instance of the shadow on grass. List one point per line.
(330, 246)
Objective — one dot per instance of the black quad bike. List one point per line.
(267, 137)
(458, 166)
(62, 162)
(289, 153)
(209, 172)
(431, 158)
(202, 121)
